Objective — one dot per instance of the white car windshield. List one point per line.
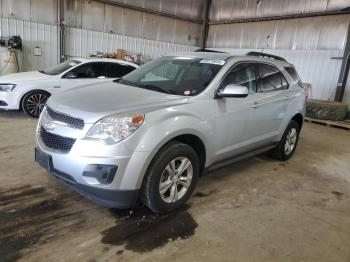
(187, 76)
(60, 68)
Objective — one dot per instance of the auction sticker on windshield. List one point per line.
(213, 61)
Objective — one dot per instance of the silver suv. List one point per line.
(150, 135)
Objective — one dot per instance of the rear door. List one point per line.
(116, 70)
(269, 106)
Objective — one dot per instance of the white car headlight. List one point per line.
(7, 87)
(113, 129)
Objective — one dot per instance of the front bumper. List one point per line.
(107, 197)
(8, 101)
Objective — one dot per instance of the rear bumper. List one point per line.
(107, 197)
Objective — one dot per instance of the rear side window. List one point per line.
(119, 70)
(271, 79)
(293, 73)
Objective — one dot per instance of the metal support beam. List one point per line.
(280, 17)
(205, 24)
(344, 70)
(150, 11)
(60, 16)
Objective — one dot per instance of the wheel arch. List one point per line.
(30, 91)
(299, 118)
(196, 143)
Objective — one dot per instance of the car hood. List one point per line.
(93, 102)
(21, 77)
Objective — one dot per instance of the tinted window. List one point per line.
(294, 74)
(90, 70)
(60, 68)
(243, 75)
(271, 79)
(118, 70)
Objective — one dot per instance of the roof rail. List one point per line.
(261, 54)
(210, 51)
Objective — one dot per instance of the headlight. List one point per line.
(7, 87)
(113, 129)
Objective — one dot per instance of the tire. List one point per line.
(34, 102)
(326, 110)
(161, 171)
(282, 152)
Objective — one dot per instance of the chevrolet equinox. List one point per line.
(149, 135)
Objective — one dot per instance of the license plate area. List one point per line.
(43, 159)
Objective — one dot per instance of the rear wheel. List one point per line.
(34, 102)
(288, 143)
(171, 178)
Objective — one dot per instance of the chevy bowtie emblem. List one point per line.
(49, 126)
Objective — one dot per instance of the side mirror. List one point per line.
(233, 91)
(71, 75)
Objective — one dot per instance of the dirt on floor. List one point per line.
(257, 210)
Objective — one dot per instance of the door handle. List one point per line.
(56, 86)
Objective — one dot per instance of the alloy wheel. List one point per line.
(35, 103)
(290, 141)
(176, 179)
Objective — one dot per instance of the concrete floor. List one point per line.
(256, 210)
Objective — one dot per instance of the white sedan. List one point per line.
(29, 91)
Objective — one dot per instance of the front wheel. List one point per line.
(288, 143)
(171, 178)
(34, 102)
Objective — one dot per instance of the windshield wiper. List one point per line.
(124, 82)
(42, 71)
(157, 88)
(149, 87)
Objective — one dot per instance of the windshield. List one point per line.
(60, 68)
(185, 76)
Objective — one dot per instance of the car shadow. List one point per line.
(13, 115)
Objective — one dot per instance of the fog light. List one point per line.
(103, 173)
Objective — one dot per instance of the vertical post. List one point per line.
(344, 70)
(60, 16)
(205, 25)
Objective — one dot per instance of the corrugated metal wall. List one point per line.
(237, 9)
(101, 17)
(313, 33)
(82, 43)
(33, 34)
(94, 26)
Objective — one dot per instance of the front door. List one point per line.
(89, 73)
(233, 114)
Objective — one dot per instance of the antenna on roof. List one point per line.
(267, 44)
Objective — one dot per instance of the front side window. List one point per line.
(271, 79)
(89, 70)
(60, 68)
(118, 70)
(186, 76)
(242, 75)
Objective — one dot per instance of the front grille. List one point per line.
(72, 121)
(55, 141)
